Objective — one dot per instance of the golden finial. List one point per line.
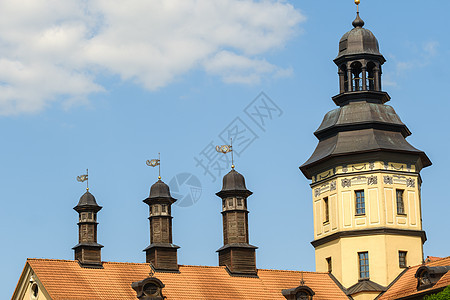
(154, 163)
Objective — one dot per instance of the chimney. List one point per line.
(236, 254)
(161, 253)
(88, 251)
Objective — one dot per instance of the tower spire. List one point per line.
(358, 22)
(236, 253)
(87, 251)
(161, 252)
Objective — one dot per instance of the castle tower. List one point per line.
(236, 254)
(365, 177)
(88, 251)
(161, 252)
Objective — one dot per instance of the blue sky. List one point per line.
(106, 85)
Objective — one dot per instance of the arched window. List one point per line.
(301, 292)
(303, 295)
(356, 68)
(344, 78)
(370, 76)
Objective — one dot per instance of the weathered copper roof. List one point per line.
(234, 182)
(87, 201)
(365, 286)
(65, 279)
(362, 113)
(160, 191)
(358, 41)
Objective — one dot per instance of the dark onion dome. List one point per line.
(234, 184)
(87, 202)
(160, 191)
(358, 41)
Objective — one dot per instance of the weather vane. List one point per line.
(155, 162)
(302, 282)
(83, 178)
(225, 149)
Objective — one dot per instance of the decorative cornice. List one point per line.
(367, 232)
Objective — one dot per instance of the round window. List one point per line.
(150, 289)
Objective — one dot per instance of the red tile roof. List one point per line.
(65, 279)
(406, 285)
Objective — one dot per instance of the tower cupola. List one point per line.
(359, 61)
(161, 252)
(88, 251)
(236, 254)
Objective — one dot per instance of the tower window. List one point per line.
(363, 265)
(329, 264)
(370, 76)
(34, 291)
(402, 259)
(303, 296)
(164, 208)
(400, 203)
(360, 203)
(326, 209)
(239, 202)
(356, 76)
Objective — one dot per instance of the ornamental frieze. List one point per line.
(372, 180)
(346, 182)
(324, 188)
(399, 179)
(410, 182)
(333, 186)
(388, 179)
(360, 168)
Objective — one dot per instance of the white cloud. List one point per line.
(52, 50)
(423, 58)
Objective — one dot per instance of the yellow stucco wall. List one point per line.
(24, 287)
(379, 181)
(383, 257)
(379, 188)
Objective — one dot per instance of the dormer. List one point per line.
(428, 276)
(302, 292)
(149, 289)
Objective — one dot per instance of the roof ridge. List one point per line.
(296, 271)
(195, 266)
(50, 259)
